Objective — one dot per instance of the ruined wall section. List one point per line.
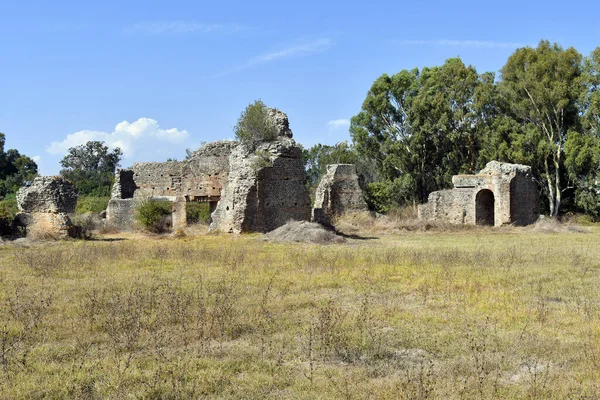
(452, 206)
(201, 178)
(45, 206)
(206, 173)
(524, 200)
(338, 192)
(266, 189)
(516, 200)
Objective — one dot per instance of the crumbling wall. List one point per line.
(449, 206)
(524, 200)
(248, 190)
(44, 207)
(338, 192)
(199, 178)
(124, 186)
(266, 188)
(513, 193)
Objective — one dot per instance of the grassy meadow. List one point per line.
(479, 313)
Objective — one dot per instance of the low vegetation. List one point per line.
(90, 204)
(479, 313)
(198, 213)
(154, 215)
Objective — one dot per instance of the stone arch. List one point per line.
(484, 208)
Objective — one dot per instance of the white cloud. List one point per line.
(139, 140)
(339, 123)
(463, 43)
(37, 159)
(301, 50)
(181, 27)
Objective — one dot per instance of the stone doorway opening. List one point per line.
(484, 208)
(200, 208)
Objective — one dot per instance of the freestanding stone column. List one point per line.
(45, 206)
(338, 193)
(179, 213)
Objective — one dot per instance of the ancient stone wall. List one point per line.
(200, 178)
(248, 190)
(512, 198)
(45, 206)
(338, 192)
(266, 188)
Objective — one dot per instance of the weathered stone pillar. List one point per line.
(179, 213)
(44, 207)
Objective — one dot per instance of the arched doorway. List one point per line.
(484, 207)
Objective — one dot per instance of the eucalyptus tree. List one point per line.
(542, 87)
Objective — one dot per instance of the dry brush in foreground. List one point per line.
(417, 316)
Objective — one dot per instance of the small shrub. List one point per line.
(254, 125)
(198, 213)
(154, 215)
(89, 204)
(8, 208)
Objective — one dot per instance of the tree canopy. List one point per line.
(91, 167)
(15, 169)
(420, 127)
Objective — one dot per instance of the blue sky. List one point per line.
(157, 77)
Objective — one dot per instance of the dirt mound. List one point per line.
(302, 231)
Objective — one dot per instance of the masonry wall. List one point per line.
(515, 197)
(525, 203)
(263, 194)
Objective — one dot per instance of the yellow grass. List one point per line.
(478, 313)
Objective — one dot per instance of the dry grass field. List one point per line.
(450, 314)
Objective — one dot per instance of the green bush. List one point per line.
(155, 215)
(254, 125)
(91, 204)
(8, 208)
(198, 212)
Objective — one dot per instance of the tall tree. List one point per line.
(582, 149)
(15, 169)
(91, 167)
(423, 127)
(542, 86)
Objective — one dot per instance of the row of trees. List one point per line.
(418, 128)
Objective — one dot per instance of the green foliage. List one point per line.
(8, 208)
(541, 87)
(91, 168)
(198, 213)
(317, 158)
(152, 214)
(15, 169)
(91, 204)
(262, 160)
(254, 125)
(427, 124)
(423, 127)
(384, 196)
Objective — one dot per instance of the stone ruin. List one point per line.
(500, 194)
(248, 191)
(338, 192)
(45, 206)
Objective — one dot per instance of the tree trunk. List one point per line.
(550, 188)
(557, 185)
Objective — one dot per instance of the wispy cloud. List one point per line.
(339, 123)
(462, 43)
(181, 27)
(300, 50)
